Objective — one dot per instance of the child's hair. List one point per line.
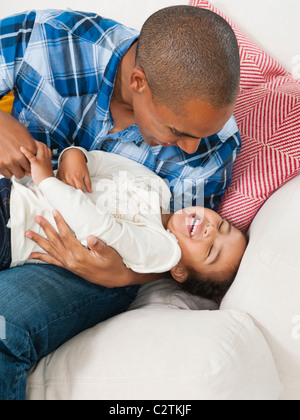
(215, 286)
(189, 53)
(209, 287)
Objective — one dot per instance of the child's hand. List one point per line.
(41, 165)
(73, 170)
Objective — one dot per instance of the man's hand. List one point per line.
(41, 165)
(100, 264)
(13, 135)
(73, 170)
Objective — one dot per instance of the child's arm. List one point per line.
(41, 165)
(73, 170)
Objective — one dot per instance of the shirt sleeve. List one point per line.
(15, 33)
(137, 244)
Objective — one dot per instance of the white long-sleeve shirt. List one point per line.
(124, 211)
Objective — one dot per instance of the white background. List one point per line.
(130, 12)
(273, 24)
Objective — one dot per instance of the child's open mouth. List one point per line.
(194, 224)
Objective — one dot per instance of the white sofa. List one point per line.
(171, 346)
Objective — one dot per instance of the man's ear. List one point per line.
(180, 273)
(138, 81)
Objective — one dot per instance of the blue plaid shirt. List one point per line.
(62, 67)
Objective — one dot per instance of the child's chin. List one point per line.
(177, 223)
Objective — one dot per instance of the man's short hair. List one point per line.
(189, 53)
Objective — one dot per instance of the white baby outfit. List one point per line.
(124, 211)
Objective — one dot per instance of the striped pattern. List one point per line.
(268, 117)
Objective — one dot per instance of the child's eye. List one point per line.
(220, 227)
(210, 251)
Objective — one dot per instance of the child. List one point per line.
(127, 206)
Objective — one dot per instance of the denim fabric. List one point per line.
(5, 236)
(44, 306)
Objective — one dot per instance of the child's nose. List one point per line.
(209, 230)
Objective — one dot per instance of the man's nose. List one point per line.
(189, 146)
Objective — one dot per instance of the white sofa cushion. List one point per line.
(268, 284)
(167, 293)
(158, 351)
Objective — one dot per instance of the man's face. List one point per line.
(160, 126)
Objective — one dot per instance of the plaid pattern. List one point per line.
(62, 67)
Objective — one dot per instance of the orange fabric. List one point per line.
(6, 103)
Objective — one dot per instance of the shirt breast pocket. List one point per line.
(34, 126)
(39, 133)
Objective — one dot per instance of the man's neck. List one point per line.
(122, 92)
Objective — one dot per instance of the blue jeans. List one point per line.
(5, 234)
(42, 307)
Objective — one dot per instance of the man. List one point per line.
(158, 98)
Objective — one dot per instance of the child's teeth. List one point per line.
(195, 225)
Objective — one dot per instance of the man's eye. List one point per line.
(176, 133)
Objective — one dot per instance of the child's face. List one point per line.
(209, 244)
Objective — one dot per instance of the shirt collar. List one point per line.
(156, 150)
(108, 80)
(129, 135)
(132, 134)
